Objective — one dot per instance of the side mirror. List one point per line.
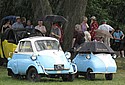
(68, 54)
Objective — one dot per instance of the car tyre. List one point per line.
(32, 75)
(109, 76)
(89, 75)
(69, 77)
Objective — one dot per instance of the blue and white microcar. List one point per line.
(37, 57)
(95, 58)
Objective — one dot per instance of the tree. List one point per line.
(31, 9)
(112, 10)
(74, 10)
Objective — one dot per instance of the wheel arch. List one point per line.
(9, 71)
(89, 69)
(30, 68)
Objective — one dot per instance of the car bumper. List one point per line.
(105, 70)
(71, 70)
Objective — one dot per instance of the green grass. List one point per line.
(119, 78)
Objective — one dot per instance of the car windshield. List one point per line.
(46, 45)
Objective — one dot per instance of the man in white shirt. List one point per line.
(108, 28)
(40, 27)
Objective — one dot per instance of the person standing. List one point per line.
(55, 31)
(93, 26)
(118, 37)
(78, 37)
(29, 25)
(84, 24)
(108, 28)
(87, 35)
(18, 23)
(41, 28)
(6, 25)
(23, 20)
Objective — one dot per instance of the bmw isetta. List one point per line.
(95, 58)
(37, 57)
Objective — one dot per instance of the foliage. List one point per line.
(112, 10)
(25, 8)
(73, 10)
(57, 6)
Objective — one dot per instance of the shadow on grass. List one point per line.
(51, 80)
(42, 79)
(96, 78)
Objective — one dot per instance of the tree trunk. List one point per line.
(41, 8)
(74, 10)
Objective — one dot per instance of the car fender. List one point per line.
(40, 69)
(74, 67)
(95, 65)
(12, 66)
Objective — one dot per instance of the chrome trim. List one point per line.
(44, 70)
(75, 69)
(102, 72)
(52, 69)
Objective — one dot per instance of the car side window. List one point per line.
(25, 46)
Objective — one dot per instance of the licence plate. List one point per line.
(59, 67)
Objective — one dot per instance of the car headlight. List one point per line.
(33, 57)
(114, 56)
(88, 56)
(68, 54)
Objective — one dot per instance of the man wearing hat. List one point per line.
(18, 23)
(108, 28)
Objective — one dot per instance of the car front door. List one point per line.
(25, 52)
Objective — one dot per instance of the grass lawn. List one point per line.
(119, 78)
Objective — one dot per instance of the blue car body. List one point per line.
(106, 64)
(91, 64)
(46, 62)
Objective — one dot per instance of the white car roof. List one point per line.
(38, 38)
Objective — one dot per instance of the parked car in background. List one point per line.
(95, 58)
(36, 57)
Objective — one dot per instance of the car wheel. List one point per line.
(33, 75)
(109, 76)
(69, 77)
(90, 76)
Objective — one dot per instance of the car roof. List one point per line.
(38, 38)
